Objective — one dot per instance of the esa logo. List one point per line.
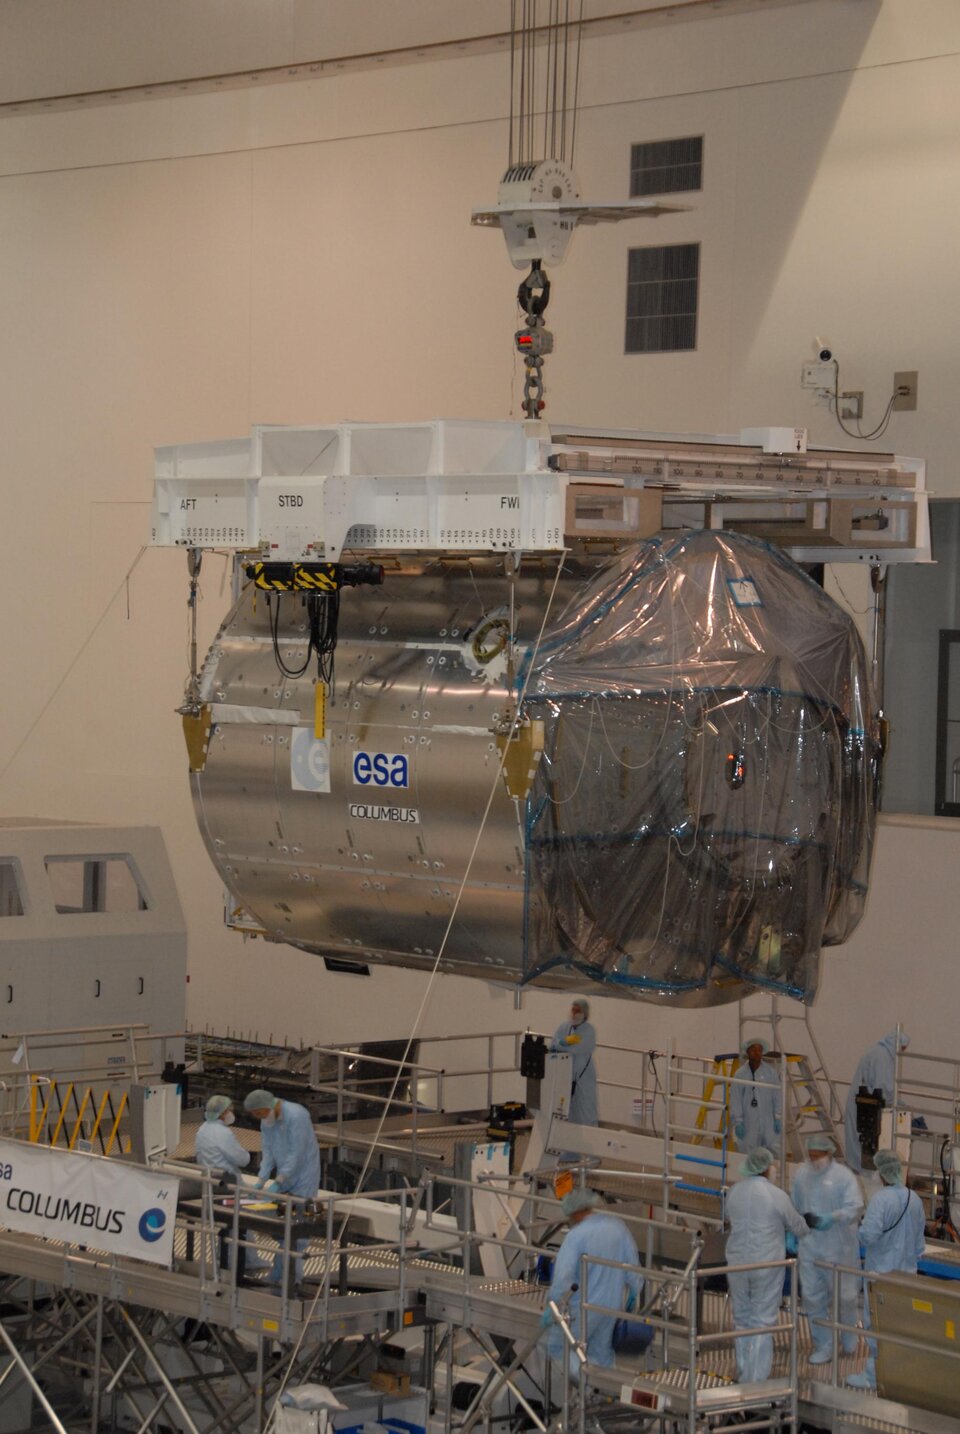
(380, 769)
(152, 1225)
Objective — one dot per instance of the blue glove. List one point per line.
(740, 1130)
(823, 1222)
(259, 1183)
(792, 1243)
(631, 1302)
(271, 1187)
(777, 1127)
(546, 1319)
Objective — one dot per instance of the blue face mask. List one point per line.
(228, 1117)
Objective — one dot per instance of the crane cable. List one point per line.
(122, 586)
(557, 89)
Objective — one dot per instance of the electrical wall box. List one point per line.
(905, 390)
(775, 440)
(818, 375)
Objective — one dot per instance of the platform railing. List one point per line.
(429, 1085)
(502, 1058)
(685, 1103)
(676, 1093)
(209, 1236)
(220, 1246)
(683, 1342)
(65, 1086)
(671, 1304)
(125, 1050)
(830, 1373)
(528, 1254)
(926, 1109)
(442, 1088)
(536, 1212)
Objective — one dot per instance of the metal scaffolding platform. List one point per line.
(204, 1345)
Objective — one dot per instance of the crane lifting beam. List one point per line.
(307, 494)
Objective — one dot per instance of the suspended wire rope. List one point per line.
(551, 94)
(120, 588)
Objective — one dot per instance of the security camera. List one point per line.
(822, 350)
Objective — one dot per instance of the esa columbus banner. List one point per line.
(87, 1200)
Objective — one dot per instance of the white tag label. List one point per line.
(744, 592)
(370, 812)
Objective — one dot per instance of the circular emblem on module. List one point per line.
(152, 1224)
(309, 761)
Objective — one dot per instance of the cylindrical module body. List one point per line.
(371, 867)
(700, 819)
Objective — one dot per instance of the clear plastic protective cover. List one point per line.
(703, 813)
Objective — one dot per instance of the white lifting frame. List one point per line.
(309, 494)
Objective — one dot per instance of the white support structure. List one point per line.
(308, 494)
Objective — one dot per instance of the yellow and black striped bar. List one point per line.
(295, 577)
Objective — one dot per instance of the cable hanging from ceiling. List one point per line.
(544, 98)
(543, 133)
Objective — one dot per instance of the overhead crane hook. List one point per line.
(534, 340)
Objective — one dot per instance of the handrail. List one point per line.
(145, 1052)
(207, 1234)
(117, 1031)
(838, 1328)
(545, 1210)
(373, 1059)
(355, 1084)
(688, 1331)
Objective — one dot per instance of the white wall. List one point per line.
(53, 48)
(180, 268)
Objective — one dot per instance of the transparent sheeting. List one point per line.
(703, 812)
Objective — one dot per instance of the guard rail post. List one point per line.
(328, 1265)
(794, 1326)
(835, 1318)
(402, 1254)
(692, 1348)
(340, 1073)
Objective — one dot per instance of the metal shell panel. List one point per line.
(330, 871)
